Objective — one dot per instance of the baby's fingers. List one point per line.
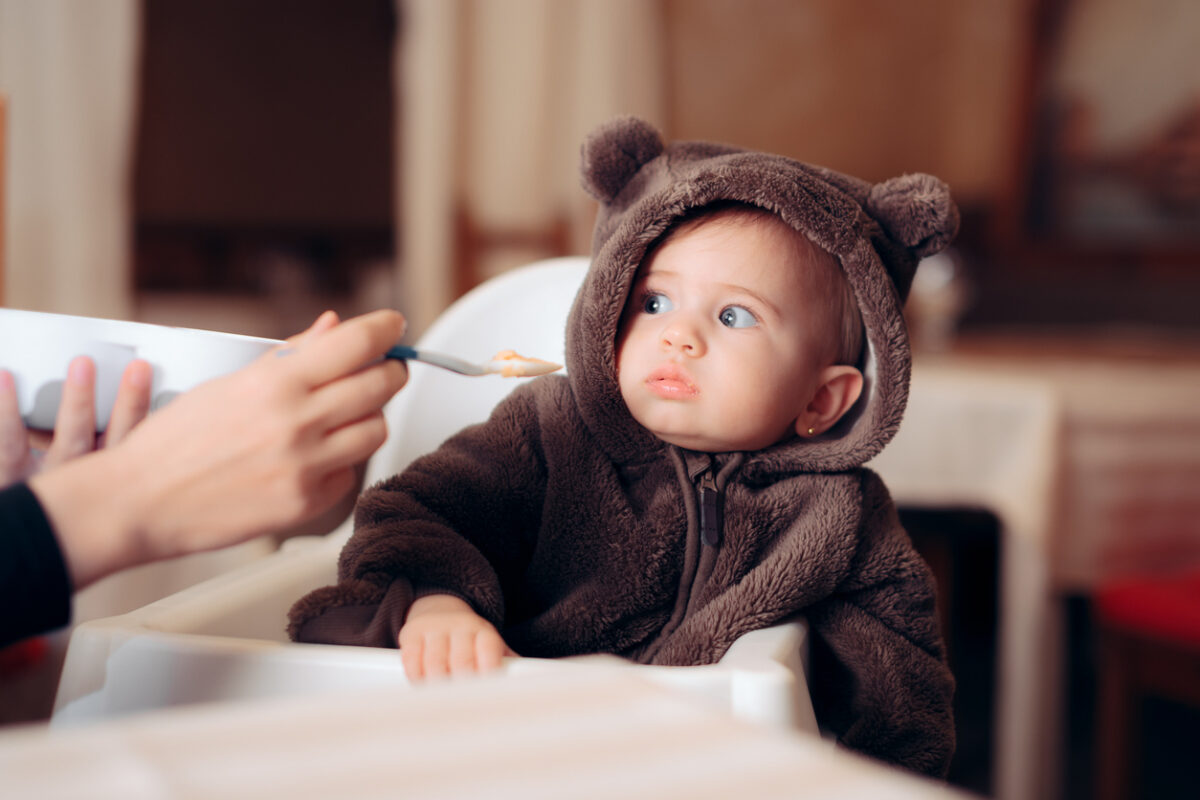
(462, 652)
(490, 650)
(424, 653)
(436, 659)
(412, 654)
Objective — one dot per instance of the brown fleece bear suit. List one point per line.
(574, 530)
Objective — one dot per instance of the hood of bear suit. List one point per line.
(877, 232)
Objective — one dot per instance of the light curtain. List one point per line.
(68, 70)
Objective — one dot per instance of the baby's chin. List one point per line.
(708, 444)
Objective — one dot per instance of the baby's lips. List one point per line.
(673, 373)
(672, 382)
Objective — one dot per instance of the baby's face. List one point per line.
(721, 343)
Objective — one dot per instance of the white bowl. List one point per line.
(36, 348)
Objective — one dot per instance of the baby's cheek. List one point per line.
(623, 385)
(622, 362)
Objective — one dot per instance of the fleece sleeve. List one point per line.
(35, 588)
(880, 679)
(461, 520)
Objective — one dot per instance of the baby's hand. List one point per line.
(442, 636)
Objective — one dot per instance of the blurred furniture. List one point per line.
(584, 733)
(1116, 490)
(1127, 498)
(223, 640)
(1148, 642)
(479, 248)
(972, 439)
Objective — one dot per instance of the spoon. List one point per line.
(506, 363)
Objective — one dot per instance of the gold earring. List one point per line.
(811, 431)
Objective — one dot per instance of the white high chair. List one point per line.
(223, 640)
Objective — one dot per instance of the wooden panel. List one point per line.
(268, 114)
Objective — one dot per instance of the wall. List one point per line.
(874, 88)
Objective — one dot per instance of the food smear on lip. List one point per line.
(511, 364)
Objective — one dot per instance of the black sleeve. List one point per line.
(35, 589)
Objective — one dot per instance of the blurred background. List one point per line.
(244, 164)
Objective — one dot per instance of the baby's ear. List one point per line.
(916, 211)
(614, 152)
(840, 386)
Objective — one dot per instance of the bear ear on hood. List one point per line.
(614, 152)
(916, 211)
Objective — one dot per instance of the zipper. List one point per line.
(699, 556)
(710, 508)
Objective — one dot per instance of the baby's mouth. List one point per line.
(672, 382)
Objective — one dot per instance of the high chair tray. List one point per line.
(223, 640)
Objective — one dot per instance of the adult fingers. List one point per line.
(357, 395)
(132, 403)
(40, 440)
(75, 424)
(350, 444)
(326, 321)
(338, 485)
(347, 347)
(14, 443)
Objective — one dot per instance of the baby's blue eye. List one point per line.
(737, 317)
(656, 304)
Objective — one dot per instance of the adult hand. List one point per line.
(263, 448)
(23, 453)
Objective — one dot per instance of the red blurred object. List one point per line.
(1148, 642)
(1168, 608)
(21, 656)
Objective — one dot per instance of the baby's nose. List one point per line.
(683, 336)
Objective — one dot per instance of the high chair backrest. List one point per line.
(524, 309)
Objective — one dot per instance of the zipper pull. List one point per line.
(710, 510)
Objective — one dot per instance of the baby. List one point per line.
(735, 354)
